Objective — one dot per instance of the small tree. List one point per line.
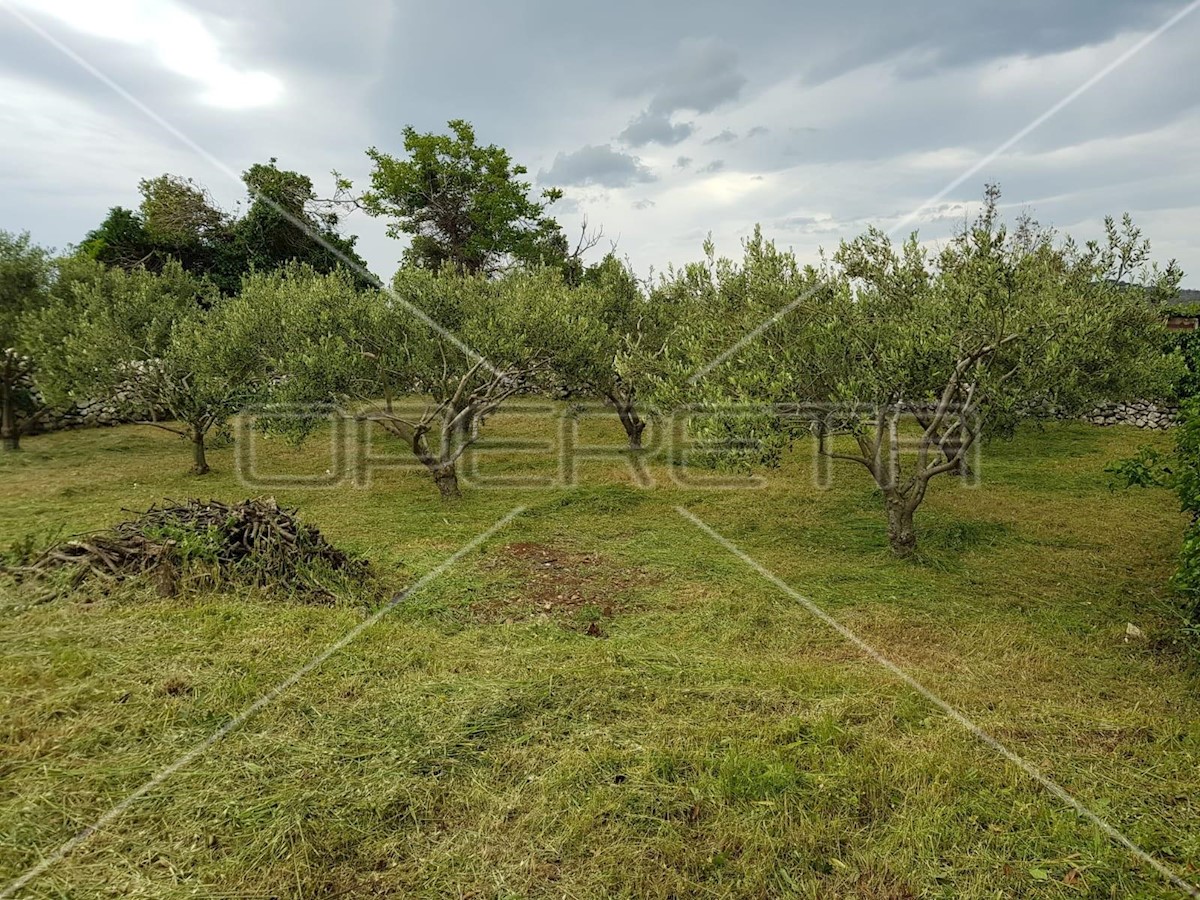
(463, 205)
(1003, 318)
(618, 324)
(161, 348)
(364, 350)
(24, 287)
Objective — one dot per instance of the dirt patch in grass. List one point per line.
(578, 590)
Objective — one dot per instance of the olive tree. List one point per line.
(461, 345)
(616, 322)
(905, 354)
(163, 349)
(25, 271)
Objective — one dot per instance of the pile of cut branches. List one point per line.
(253, 542)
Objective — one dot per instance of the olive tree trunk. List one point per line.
(445, 477)
(199, 461)
(10, 435)
(633, 424)
(10, 432)
(902, 535)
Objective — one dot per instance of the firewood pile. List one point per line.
(255, 541)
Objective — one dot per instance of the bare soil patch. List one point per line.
(578, 590)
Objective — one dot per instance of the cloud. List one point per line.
(176, 37)
(655, 128)
(877, 115)
(702, 76)
(644, 204)
(715, 166)
(598, 165)
(725, 137)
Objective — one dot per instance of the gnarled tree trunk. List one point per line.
(902, 535)
(446, 479)
(630, 420)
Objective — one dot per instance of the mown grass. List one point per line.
(713, 739)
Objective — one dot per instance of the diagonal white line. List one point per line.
(250, 711)
(1007, 145)
(222, 167)
(952, 712)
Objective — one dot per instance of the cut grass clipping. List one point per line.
(203, 543)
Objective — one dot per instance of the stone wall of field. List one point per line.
(1140, 413)
(85, 414)
(90, 414)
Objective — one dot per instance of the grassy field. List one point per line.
(601, 701)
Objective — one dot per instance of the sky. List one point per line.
(663, 122)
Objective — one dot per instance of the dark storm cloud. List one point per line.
(601, 166)
(702, 77)
(936, 35)
(656, 128)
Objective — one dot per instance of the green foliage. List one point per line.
(1000, 320)
(25, 272)
(465, 344)
(463, 206)
(120, 240)
(1146, 468)
(106, 319)
(620, 322)
(178, 212)
(178, 220)
(286, 223)
(1185, 478)
(157, 345)
(428, 335)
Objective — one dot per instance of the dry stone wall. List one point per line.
(1142, 413)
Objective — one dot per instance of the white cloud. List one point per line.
(178, 39)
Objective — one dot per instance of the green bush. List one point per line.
(1185, 476)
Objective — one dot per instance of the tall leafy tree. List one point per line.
(463, 205)
(121, 240)
(286, 222)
